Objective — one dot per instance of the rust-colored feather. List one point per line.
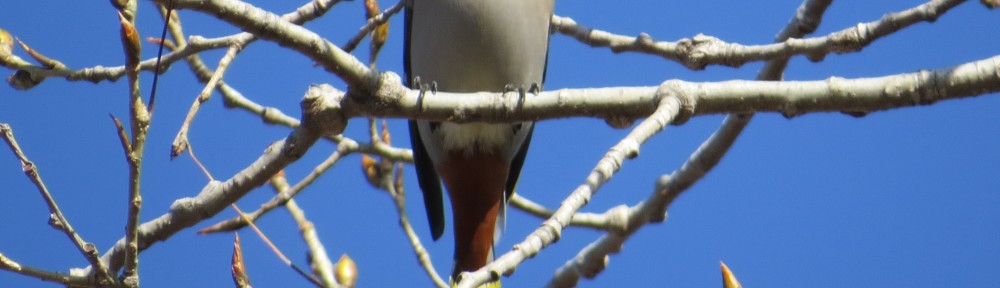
(476, 186)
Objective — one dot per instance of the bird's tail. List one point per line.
(476, 187)
(474, 238)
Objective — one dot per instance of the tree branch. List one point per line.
(371, 24)
(606, 221)
(12, 266)
(270, 115)
(399, 198)
(790, 98)
(699, 52)
(181, 142)
(593, 258)
(305, 13)
(215, 196)
(319, 261)
(267, 25)
(56, 219)
(551, 229)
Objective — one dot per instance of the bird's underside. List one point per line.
(473, 46)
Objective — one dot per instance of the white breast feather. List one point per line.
(473, 137)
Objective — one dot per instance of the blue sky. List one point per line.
(904, 198)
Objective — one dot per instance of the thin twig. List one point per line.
(216, 196)
(283, 196)
(270, 115)
(181, 142)
(139, 118)
(701, 51)
(57, 219)
(580, 219)
(201, 166)
(318, 259)
(277, 252)
(399, 198)
(371, 24)
(68, 280)
(41, 58)
(307, 12)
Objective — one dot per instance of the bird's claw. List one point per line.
(423, 88)
(535, 88)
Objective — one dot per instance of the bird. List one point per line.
(466, 46)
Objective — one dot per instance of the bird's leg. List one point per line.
(520, 92)
(535, 88)
(417, 83)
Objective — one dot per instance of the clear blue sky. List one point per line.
(905, 198)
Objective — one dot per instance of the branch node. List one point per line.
(645, 40)
(672, 88)
(699, 52)
(55, 223)
(324, 97)
(618, 220)
(382, 93)
(555, 230)
(495, 274)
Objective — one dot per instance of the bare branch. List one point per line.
(277, 252)
(371, 24)
(698, 52)
(305, 13)
(604, 221)
(181, 142)
(270, 115)
(318, 259)
(56, 219)
(593, 258)
(790, 98)
(382, 95)
(139, 118)
(551, 229)
(269, 26)
(215, 196)
(284, 195)
(12, 266)
(399, 198)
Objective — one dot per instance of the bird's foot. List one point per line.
(423, 87)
